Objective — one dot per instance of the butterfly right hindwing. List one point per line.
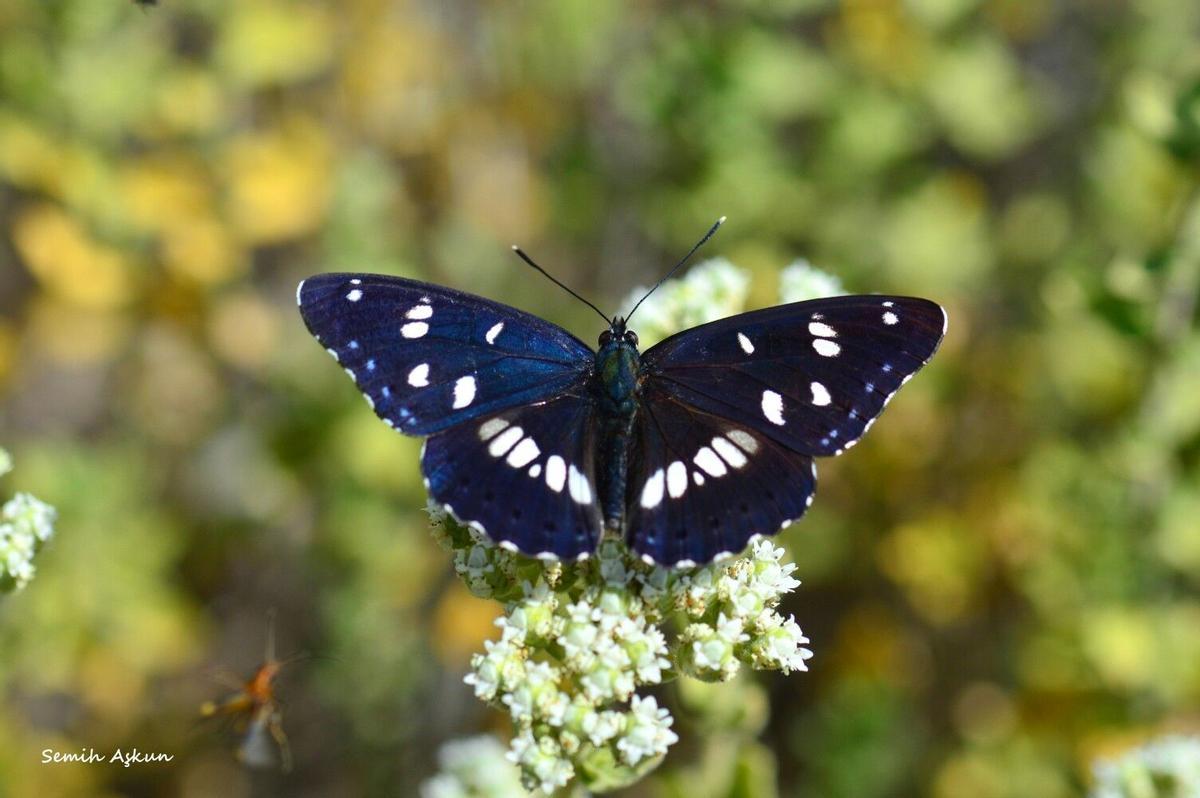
(702, 485)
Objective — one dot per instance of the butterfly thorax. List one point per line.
(615, 386)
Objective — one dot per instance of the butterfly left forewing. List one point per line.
(427, 357)
(813, 376)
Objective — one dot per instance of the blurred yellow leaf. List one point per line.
(1120, 643)
(274, 42)
(170, 188)
(71, 335)
(68, 261)
(461, 623)
(937, 562)
(202, 250)
(279, 181)
(244, 330)
(190, 101)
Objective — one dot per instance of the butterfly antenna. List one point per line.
(521, 254)
(675, 268)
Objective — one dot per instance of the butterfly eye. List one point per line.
(631, 338)
(605, 338)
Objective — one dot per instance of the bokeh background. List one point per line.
(1000, 583)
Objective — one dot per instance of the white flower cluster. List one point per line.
(734, 621)
(801, 281)
(475, 767)
(566, 669)
(578, 641)
(710, 290)
(1165, 768)
(25, 525)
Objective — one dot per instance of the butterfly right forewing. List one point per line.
(812, 375)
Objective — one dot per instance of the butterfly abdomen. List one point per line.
(615, 383)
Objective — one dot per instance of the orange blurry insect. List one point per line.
(255, 712)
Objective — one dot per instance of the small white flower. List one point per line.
(647, 732)
(472, 767)
(781, 645)
(712, 289)
(600, 727)
(800, 281)
(1168, 766)
(25, 524)
(541, 761)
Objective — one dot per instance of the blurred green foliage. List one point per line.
(1000, 582)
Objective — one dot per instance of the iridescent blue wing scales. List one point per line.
(732, 413)
(812, 375)
(428, 358)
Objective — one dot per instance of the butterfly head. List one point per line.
(618, 335)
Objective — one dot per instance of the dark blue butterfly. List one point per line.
(687, 451)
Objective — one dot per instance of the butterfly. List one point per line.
(687, 450)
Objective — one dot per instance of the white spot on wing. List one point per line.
(491, 427)
(578, 487)
(652, 493)
(729, 453)
(676, 479)
(299, 288)
(505, 441)
(556, 473)
(743, 439)
(464, 392)
(888, 304)
(419, 312)
(772, 407)
(822, 329)
(747, 347)
(707, 459)
(820, 395)
(523, 453)
(419, 376)
(354, 295)
(698, 478)
(490, 337)
(825, 347)
(890, 318)
(414, 329)
(536, 470)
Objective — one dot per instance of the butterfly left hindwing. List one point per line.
(524, 476)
